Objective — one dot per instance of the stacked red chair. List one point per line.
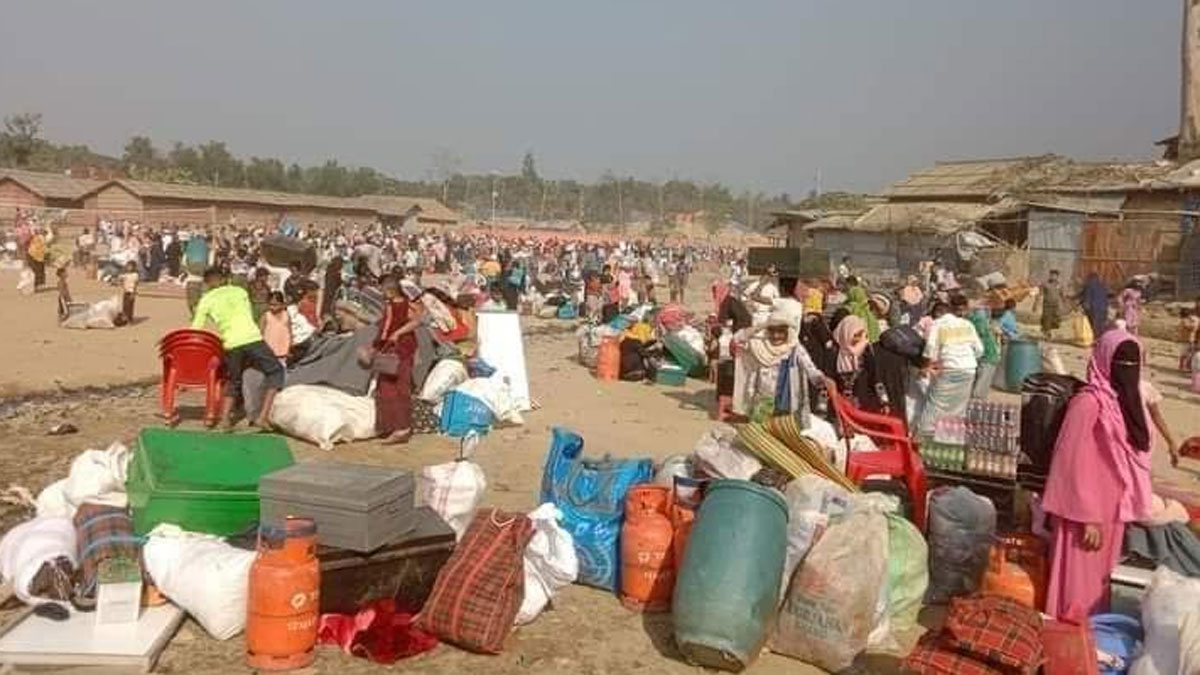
(897, 456)
(192, 359)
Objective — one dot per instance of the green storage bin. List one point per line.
(200, 481)
(671, 375)
(689, 359)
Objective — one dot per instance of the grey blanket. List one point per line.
(332, 360)
(1172, 545)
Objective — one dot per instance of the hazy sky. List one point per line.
(758, 94)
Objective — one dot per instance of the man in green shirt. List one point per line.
(228, 307)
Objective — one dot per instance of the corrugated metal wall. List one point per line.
(1054, 244)
(881, 255)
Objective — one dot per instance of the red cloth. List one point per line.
(673, 317)
(308, 309)
(378, 632)
(929, 657)
(996, 630)
(479, 590)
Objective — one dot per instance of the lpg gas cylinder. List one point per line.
(647, 556)
(284, 595)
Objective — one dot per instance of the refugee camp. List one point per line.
(564, 340)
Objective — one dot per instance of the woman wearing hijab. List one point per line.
(1099, 478)
(990, 358)
(772, 374)
(1131, 306)
(856, 376)
(859, 305)
(1094, 301)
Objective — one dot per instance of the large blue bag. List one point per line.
(591, 496)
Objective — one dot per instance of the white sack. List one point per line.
(25, 282)
(203, 575)
(550, 562)
(96, 476)
(446, 375)
(1168, 598)
(811, 500)
(497, 395)
(101, 314)
(719, 454)
(323, 415)
(453, 490)
(27, 546)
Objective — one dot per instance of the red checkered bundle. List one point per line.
(478, 592)
(982, 636)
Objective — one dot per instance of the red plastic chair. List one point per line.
(192, 359)
(897, 456)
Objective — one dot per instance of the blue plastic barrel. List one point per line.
(1023, 358)
(727, 589)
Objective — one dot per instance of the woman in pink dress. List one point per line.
(1131, 306)
(1099, 478)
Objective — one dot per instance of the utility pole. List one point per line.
(494, 196)
(620, 205)
(1189, 98)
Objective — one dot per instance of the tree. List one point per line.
(140, 153)
(20, 137)
(218, 166)
(529, 168)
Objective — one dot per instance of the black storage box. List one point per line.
(404, 570)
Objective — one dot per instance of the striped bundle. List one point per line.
(779, 443)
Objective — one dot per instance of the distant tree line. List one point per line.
(613, 199)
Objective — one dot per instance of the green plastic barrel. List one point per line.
(727, 589)
(1024, 358)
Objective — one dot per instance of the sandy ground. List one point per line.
(587, 631)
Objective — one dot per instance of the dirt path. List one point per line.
(587, 632)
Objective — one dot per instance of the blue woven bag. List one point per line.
(591, 496)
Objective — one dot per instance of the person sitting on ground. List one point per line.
(129, 287)
(276, 326)
(228, 307)
(495, 301)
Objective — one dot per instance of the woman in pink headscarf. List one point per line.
(1099, 478)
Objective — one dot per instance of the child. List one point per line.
(1189, 325)
(129, 287)
(64, 295)
(276, 327)
(308, 304)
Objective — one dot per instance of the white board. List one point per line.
(80, 641)
(503, 347)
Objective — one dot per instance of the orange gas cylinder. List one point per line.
(284, 597)
(1017, 569)
(608, 359)
(647, 557)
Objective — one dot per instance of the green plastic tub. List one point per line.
(671, 375)
(200, 481)
(689, 359)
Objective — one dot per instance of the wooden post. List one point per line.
(1189, 125)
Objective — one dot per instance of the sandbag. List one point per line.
(719, 454)
(446, 375)
(496, 394)
(1189, 641)
(96, 476)
(1168, 599)
(830, 609)
(26, 282)
(1118, 640)
(203, 575)
(908, 572)
(961, 527)
(811, 501)
(323, 415)
(453, 490)
(1052, 361)
(102, 314)
(29, 545)
(550, 562)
